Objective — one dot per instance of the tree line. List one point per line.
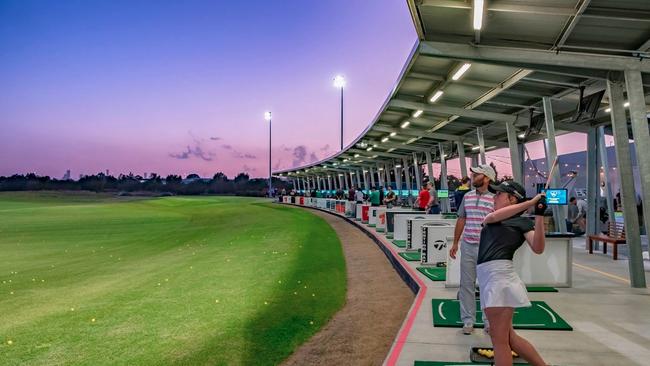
(130, 184)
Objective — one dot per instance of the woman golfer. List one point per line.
(504, 231)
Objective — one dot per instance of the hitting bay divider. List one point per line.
(434, 273)
(446, 313)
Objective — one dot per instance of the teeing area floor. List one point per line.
(605, 313)
(607, 316)
(610, 319)
(446, 313)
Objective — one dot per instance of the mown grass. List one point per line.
(94, 280)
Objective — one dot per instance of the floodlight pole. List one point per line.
(267, 116)
(270, 177)
(341, 118)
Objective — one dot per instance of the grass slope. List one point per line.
(93, 280)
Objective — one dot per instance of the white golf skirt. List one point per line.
(500, 286)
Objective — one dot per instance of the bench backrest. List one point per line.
(616, 230)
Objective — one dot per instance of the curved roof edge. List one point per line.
(400, 79)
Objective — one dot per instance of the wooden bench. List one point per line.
(615, 236)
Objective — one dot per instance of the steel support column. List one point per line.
(427, 156)
(624, 162)
(444, 203)
(474, 159)
(366, 187)
(559, 216)
(593, 173)
(481, 143)
(372, 177)
(416, 171)
(398, 179)
(641, 135)
(407, 176)
(461, 158)
(604, 162)
(514, 152)
(379, 177)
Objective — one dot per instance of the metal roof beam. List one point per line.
(462, 112)
(502, 7)
(403, 147)
(439, 136)
(533, 59)
(435, 77)
(378, 153)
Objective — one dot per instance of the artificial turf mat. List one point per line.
(434, 273)
(446, 313)
(411, 256)
(445, 363)
(168, 281)
(541, 289)
(372, 225)
(389, 235)
(399, 243)
(380, 230)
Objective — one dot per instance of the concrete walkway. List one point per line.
(611, 321)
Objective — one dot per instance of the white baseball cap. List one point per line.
(486, 170)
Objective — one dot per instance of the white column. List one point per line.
(461, 157)
(481, 143)
(624, 162)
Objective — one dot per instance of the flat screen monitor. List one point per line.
(556, 196)
(443, 193)
(414, 192)
(618, 216)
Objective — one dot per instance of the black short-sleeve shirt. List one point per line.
(500, 240)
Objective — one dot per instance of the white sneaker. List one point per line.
(468, 329)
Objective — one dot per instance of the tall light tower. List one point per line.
(267, 116)
(339, 82)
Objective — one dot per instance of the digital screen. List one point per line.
(443, 193)
(618, 216)
(556, 196)
(414, 192)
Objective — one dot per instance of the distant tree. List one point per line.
(193, 176)
(220, 177)
(241, 178)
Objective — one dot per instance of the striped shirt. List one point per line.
(474, 208)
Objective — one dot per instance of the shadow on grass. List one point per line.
(293, 313)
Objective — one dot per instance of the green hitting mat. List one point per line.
(379, 229)
(541, 289)
(434, 273)
(400, 243)
(372, 225)
(389, 235)
(411, 256)
(445, 363)
(446, 313)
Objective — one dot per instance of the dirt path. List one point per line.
(377, 301)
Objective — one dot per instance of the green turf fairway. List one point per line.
(96, 280)
(446, 313)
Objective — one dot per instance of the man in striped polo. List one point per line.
(475, 206)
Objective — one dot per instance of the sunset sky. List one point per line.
(179, 87)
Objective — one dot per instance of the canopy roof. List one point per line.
(525, 50)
